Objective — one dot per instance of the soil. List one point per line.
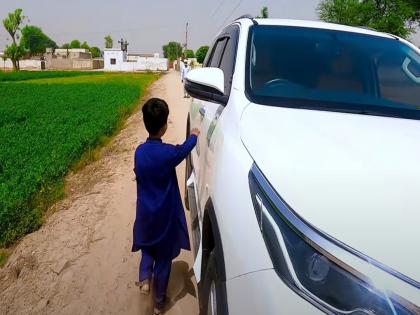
(80, 260)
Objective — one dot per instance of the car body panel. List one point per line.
(265, 293)
(299, 151)
(355, 177)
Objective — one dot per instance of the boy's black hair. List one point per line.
(155, 115)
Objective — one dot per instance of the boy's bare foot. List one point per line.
(144, 286)
(160, 306)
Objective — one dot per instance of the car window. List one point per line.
(398, 78)
(217, 52)
(333, 70)
(227, 63)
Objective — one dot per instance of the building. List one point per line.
(73, 53)
(116, 59)
(59, 59)
(71, 59)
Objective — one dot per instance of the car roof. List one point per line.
(321, 25)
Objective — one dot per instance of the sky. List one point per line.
(146, 25)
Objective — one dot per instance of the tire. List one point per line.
(211, 295)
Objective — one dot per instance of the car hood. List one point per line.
(355, 177)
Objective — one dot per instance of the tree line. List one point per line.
(174, 50)
(30, 40)
(398, 17)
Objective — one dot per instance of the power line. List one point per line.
(218, 7)
(142, 28)
(230, 14)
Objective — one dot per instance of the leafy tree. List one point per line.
(4, 57)
(264, 13)
(75, 43)
(15, 52)
(201, 53)
(12, 24)
(35, 41)
(109, 43)
(85, 45)
(189, 53)
(416, 5)
(95, 51)
(398, 17)
(66, 46)
(172, 50)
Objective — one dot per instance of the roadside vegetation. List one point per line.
(49, 121)
(398, 17)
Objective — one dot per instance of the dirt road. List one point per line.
(80, 261)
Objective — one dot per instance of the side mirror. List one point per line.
(207, 84)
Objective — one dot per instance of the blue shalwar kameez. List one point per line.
(160, 229)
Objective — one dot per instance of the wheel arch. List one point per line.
(211, 239)
(212, 242)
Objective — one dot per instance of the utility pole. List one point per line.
(186, 36)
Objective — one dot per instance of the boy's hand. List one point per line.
(195, 132)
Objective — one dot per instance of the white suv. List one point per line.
(304, 187)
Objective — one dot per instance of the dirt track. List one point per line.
(80, 261)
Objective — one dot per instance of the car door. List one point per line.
(223, 56)
(198, 113)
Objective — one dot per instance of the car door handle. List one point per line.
(202, 111)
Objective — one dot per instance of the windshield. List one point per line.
(333, 70)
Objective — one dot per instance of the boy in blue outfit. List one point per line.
(160, 229)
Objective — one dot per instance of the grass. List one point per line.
(4, 254)
(49, 125)
(31, 75)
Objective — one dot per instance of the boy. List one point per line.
(160, 229)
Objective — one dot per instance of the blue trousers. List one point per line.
(159, 269)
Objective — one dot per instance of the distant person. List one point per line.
(160, 229)
(184, 71)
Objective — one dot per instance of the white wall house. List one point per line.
(25, 64)
(118, 60)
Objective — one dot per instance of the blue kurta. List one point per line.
(160, 226)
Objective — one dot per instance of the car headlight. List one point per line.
(312, 271)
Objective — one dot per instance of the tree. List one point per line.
(12, 24)
(109, 43)
(4, 57)
(35, 41)
(66, 46)
(398, 17)
(95, 51)
(15, 53)
(189, 53)
(85, 45)
(201, 53)
(75, 43)
(172, 50)
(264, 13)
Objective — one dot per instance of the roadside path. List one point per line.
(80, 261)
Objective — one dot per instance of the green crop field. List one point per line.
(31, 75)
(48, 120)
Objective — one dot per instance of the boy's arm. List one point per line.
(182, 150)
